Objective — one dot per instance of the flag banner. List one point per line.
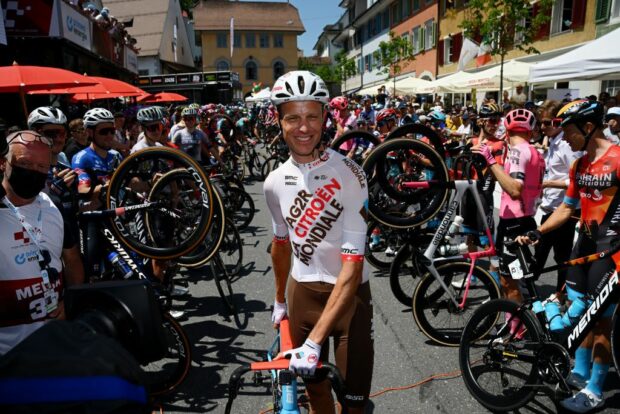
(484, 54)
(469, 51)
(232, 35)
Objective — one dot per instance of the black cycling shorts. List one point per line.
(586, 278)
(509, 229)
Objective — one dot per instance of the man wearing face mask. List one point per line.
(94, 166)
(33, 241)
(50, 123)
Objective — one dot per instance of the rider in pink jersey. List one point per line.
(521, 183)
(523, 163)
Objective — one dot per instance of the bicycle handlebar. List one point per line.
(333, 374)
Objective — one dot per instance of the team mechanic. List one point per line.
(318, 203)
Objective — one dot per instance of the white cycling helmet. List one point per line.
(189, 111)
(96, 116)
(150, 114)
(46, 115)
(299, 85)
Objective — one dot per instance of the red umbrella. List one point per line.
(105, 88)
(22, 79)
(162, 97)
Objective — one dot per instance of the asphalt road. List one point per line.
(403, 355)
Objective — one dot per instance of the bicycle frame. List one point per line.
(428, 258)
(279, 370)
(606, 294)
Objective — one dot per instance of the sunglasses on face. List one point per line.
(153, 127)
(107, 131)
(381, 124)
(53, 133)
(25, 138)
(192, 118)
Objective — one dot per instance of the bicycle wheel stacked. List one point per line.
(407, 181)
(174, 225)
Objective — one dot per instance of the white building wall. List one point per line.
(150, 63)
(370, 77)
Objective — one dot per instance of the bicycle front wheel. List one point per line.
(395, 166)
(135, 176)
(223, 284)
(499, 362)
(163, 376)
(434, 311)
(382, 244)
(269, 165)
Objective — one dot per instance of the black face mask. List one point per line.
(26, 183)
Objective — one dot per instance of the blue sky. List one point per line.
(315, 14)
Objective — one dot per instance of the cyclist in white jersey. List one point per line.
(318, 203)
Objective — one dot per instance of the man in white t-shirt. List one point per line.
(612, 118)
(32, 241)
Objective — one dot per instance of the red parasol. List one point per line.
(22, 79)
(163, 97)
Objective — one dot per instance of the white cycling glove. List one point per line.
(279, 312)
(305, 358)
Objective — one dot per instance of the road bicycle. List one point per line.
(222, 246)
(136, 175)
(508, 352)
(452, 285)
(284, 386)
(165, 375)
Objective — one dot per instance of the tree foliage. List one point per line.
(393, 54)
(345, 67)
(326, 72)
(506, 24)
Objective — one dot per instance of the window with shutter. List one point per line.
(415, 40)
(543, 30)
(602, 10)
(440, 51)
(579, 14)
(457, 45)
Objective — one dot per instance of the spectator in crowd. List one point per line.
(381, 95)
(26, 211)
(78, 138)
(519, 98)
(612, 118)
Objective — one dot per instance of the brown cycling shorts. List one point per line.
(352, 336)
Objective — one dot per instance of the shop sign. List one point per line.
(131, 60)
(75, 26)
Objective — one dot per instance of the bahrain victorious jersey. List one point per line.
(321, 208)
(596, 185)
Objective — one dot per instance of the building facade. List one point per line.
(573, 23)
(264, 39)
(160, 29)
(367, 23)
(416, 20)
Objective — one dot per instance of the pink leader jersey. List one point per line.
(525, 164)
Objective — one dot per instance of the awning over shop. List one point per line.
(599, 59)
(514, 72)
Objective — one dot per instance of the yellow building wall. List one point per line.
(264, 57)
(449, 24)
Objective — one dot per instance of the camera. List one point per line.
(91, 361)
(126, 311)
